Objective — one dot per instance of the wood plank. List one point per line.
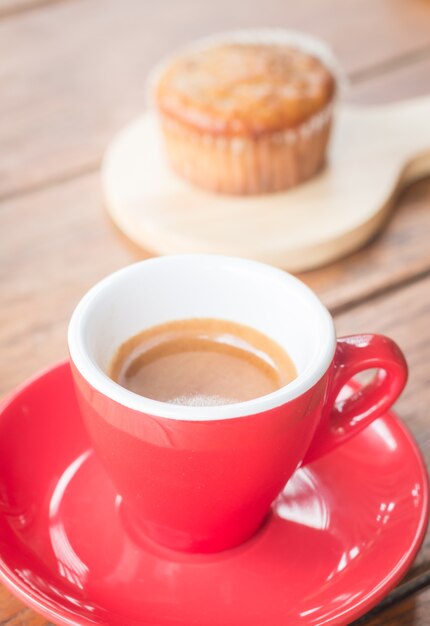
(407, 80)
(302, 228)
(57, 246)
(59, 109)
(14, 613)
(401, 250)
(58, 242)
(398, 253)
(9, 8)
(62, 230)
(412, 611)
(404, 316)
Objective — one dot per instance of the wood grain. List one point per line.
(58, 110)
(397, 255)
(403, 79)
(14, 613)
(374, 151)
(413, 611)
(36, 282)
(59, 242)
(10, 8)
(404, 316)
(58, 245)
(73, 73)
(48, 262)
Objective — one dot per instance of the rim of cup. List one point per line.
(97, 378)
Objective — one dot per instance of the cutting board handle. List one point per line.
(417, 168)
(374, 151)
(409, 122)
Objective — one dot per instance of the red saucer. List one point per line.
(342, 534)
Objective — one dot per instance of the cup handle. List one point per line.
(342, 419)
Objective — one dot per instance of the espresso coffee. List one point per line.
(201, 362)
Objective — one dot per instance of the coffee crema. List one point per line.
(201, 362)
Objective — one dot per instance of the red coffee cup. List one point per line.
(202, 479)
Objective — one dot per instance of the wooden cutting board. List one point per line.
(374, 152)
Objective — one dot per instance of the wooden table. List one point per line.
(73, 72)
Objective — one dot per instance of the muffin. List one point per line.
(244, 117)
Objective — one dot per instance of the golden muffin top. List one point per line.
(244, 89)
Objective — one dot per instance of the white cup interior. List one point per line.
(194, 286)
